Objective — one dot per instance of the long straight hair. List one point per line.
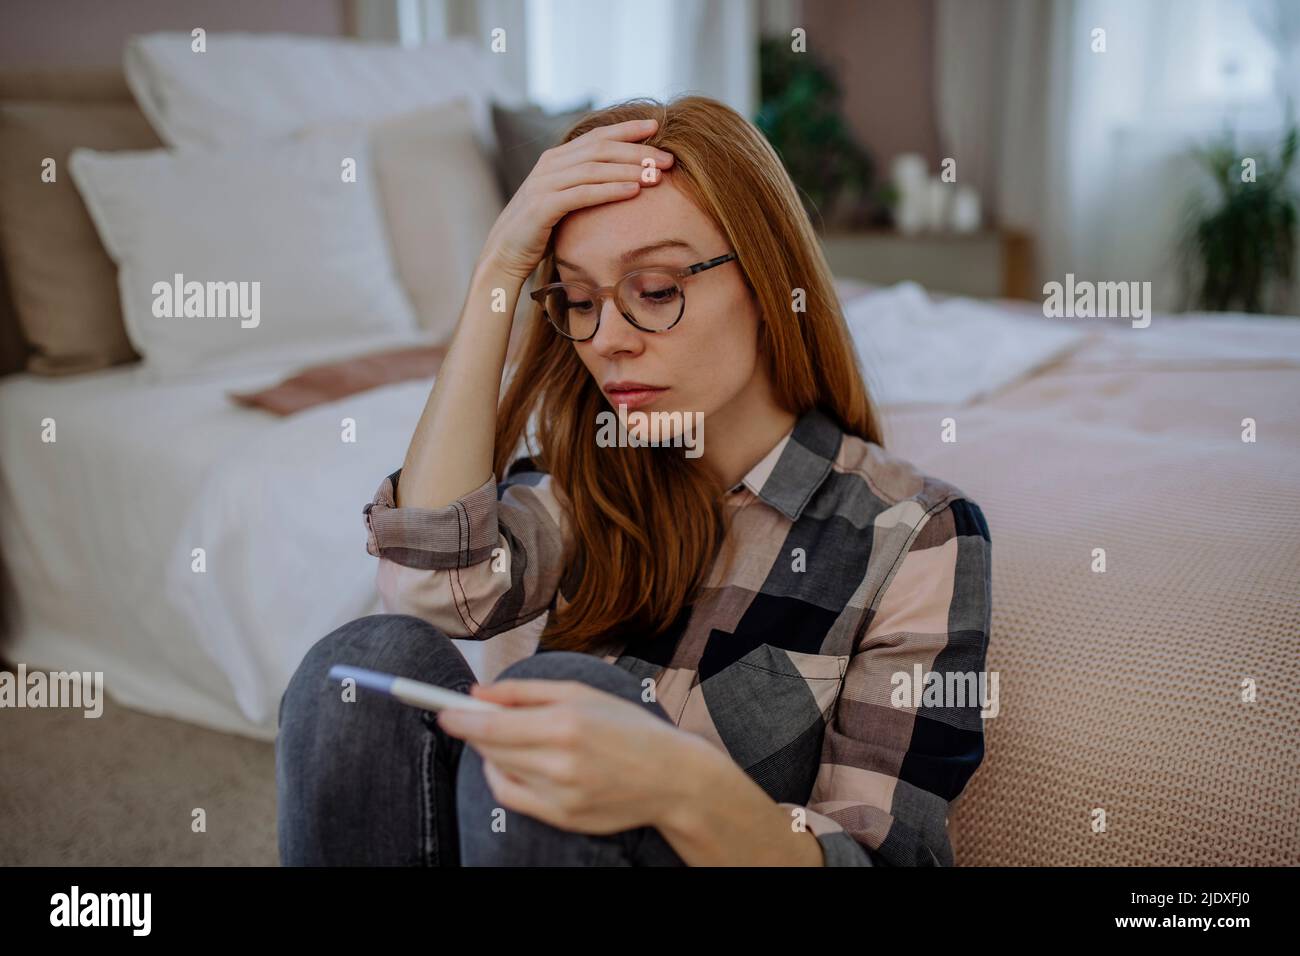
(647, 522)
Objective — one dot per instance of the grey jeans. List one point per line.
(374, 782)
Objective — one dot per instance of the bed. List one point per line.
(1129, 691)
(101, 526)
(191, 548)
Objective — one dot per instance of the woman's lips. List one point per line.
(633, 396)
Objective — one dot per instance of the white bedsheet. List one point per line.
(919, 351)
(98, 529)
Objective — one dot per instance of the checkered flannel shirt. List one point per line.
(850, 567)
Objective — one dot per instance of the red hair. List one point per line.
(647, 522)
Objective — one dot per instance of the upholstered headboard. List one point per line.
(90, 85)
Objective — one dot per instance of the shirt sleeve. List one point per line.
(893, 761)
(486, 563)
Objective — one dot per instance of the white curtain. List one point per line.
(1087, 150)
(609, 50)
(561, 52)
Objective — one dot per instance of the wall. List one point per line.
(883, 52)
(60, 33)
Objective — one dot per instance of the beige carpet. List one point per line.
(120, 790)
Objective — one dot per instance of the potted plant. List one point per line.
(1239, 251)
(800, 115)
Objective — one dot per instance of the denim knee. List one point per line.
(357, 776)
(586, 668)
(399, 644)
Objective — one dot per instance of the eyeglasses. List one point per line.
(650, 299)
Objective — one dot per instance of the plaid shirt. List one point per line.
(851, 567)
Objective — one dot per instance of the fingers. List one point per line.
(525, 764)
(537, 794)
(578, 197)
(595, 172)
(609, 151)
(524, 691)
(521, 727)
(604, 155)
(512, 792)
(627, 131)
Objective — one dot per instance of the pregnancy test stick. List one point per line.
(413, 692)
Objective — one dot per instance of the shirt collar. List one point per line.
(787, 476)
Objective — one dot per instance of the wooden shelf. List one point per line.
(988, 264)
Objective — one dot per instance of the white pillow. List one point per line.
(255, 86)
(274, 222)
(440, 200)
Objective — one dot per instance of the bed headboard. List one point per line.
(79, 85)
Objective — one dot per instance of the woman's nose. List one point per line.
(615, 333)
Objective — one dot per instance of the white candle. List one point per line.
(964, 215)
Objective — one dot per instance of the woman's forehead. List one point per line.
(595, 238)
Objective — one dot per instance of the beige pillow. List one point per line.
(440, 199)
(62, 282)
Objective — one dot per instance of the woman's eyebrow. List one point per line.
(640, 252)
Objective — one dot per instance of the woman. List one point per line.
(729, 626)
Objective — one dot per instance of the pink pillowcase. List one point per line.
(334, 380)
